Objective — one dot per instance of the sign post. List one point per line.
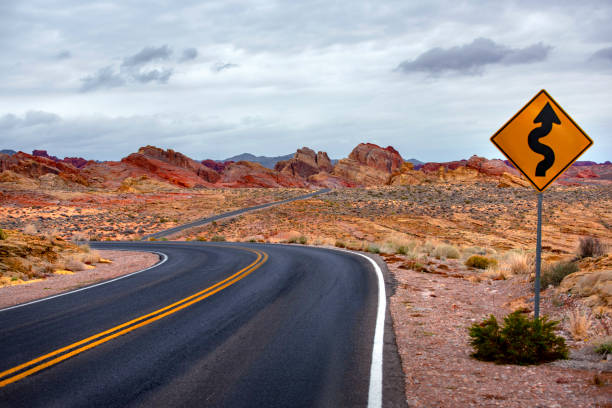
(542, 142)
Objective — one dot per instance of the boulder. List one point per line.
(305, 163)
(369, 165)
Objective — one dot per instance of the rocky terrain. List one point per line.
(367, 165)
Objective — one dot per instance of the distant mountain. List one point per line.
(265, 161)
(415, 162)
(8, 151)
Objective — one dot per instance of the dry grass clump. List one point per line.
(480, 262)
(445, 251)
(74, 264)
(579, 324)
(518, 263)
(30, 229)
(496, 272)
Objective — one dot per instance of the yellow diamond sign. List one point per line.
(541, 140)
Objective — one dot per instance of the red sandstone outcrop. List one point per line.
(369, 165)
(77, 162)
(219, 167)
(305, 163)
(36, 166)
(250, 174)
(179, 160)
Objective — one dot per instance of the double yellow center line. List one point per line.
(40, 363)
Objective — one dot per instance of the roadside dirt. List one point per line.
(432, 313)
(123, 262)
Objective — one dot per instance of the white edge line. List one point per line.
(375, 391)
(161, 254)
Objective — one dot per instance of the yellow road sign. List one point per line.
(541, 140)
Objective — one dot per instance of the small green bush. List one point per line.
(480, 262)
(604, 348)
(218, 238)
(521, 341)
(3, 235)
(373, 249)
(340, 244)
(201, 238)
(302, 240)
(554, 274)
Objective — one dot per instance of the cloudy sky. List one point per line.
(217, 78)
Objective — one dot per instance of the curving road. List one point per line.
(208, 220)
(214, 325)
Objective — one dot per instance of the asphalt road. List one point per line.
(204, 221)
(215, 325)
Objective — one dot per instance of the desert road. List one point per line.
(212, 325)
(207, 220)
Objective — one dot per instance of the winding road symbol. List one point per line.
(546, 117)
(541, 140)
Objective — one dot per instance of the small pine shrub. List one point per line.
(554, 274)
(520, 341)
(218, 238)
(480, 262)
(3, 235)
(590, 247)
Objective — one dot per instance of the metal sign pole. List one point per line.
(538, 259)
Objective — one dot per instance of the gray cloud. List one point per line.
(63, 55)
(471, 58)
(157, 75)
(220, 66)
(104, 78)
(605, 54)
(189, 54)
(147, 54)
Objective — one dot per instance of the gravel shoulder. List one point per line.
(123, 262)
(431, 314)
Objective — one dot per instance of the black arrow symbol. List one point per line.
(546, 117)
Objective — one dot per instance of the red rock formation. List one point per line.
(305, 163)
(43, 153)
(179, 160)
(37, 166)
(369, 165)
(249, 174)
(371, 155)
(77, 162)
(219, 167)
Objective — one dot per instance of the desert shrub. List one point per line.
(520, 341)
(480, 262)
(340, 244)
(518, 263)
(91, 257)
(403, 250)
(30, 229)
(85, 248)
(579, 324)
(202, 239)
(3, 235)
(604, 348)
(302, 240)
(217, 238)
(590, 247)
(373, 248)
(474, 250)
(73, 264)
(554, 274)
(427, 248)
(446, 251)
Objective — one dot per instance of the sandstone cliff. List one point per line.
(369, 165)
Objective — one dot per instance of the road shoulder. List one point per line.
(123, 262)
